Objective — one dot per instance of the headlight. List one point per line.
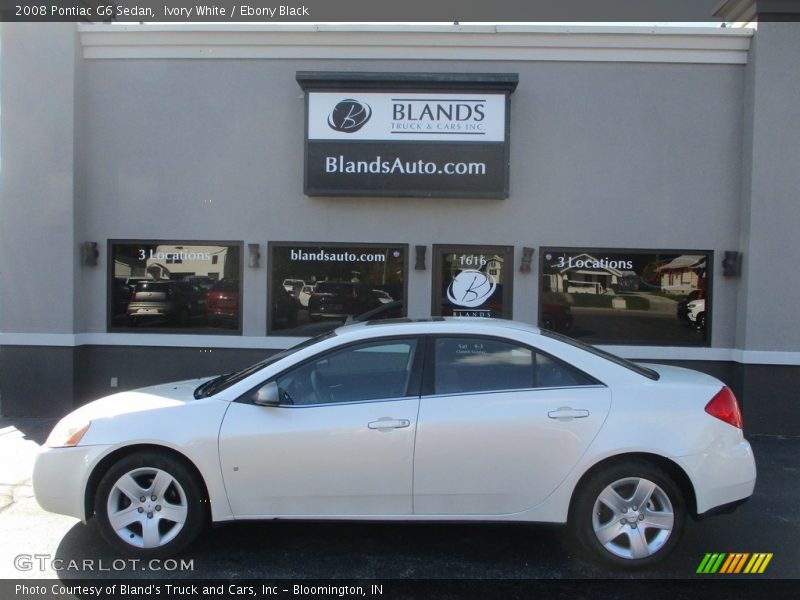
(67, 432)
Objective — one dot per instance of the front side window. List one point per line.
(466, 365)
(370, 371)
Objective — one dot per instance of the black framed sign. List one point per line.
(473, 281)
(402, 134)
(627, 296)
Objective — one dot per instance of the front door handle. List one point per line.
(388, 423)
(565, 413)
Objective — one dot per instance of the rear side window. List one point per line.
(471, 364)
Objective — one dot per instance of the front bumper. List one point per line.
(60, 476)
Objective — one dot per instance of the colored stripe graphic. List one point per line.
(729, 564)
(740, 564)
(734, 562)
(759, 562)
(711, 563)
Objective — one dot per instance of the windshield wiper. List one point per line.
(204, 390)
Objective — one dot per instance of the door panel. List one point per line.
(319, 460)
(499, 452)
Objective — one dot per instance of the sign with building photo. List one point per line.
(189, 286)
(653, 297)
(407, 135)
(473, 281)
(317, 287)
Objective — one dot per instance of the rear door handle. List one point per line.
(565, 413)
(388, 423)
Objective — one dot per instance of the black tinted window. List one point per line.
(372, 371)
(465, 365)
(474, 365)
(555, 373)
(169, 282)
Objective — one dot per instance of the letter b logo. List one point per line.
(349, 115)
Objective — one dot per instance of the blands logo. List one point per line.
(471, 288)
(439, 117)
(348, 116)
(734, 563)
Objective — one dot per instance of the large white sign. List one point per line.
(400, 116)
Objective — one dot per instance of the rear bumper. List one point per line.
(149, 310)
(724, 509)
(721, 476)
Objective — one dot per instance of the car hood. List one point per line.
(164, 395)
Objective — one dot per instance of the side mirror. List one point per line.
(267, 395)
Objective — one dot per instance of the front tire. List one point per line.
(628, 515)
(150, 505)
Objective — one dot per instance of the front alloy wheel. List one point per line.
(149, 505)
(629, 515)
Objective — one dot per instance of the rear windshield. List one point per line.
(622, 362)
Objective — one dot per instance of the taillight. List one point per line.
(724, 406)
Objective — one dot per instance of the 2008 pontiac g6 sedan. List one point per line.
(410, 420)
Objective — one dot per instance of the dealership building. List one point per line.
(179, 201)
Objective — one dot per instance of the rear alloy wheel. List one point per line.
(629, 515)
(150, 506)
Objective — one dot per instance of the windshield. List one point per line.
(644, 371)
(216, 385)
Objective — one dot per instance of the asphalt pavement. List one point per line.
(36, 544)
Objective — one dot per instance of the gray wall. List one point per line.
(626, 155)
(771, 192)
(37, 244)
(602, 154)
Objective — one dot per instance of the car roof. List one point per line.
(406, 325)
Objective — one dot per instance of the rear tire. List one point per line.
(629, 515)
(150, 505)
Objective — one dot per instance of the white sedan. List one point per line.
(429, 420)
